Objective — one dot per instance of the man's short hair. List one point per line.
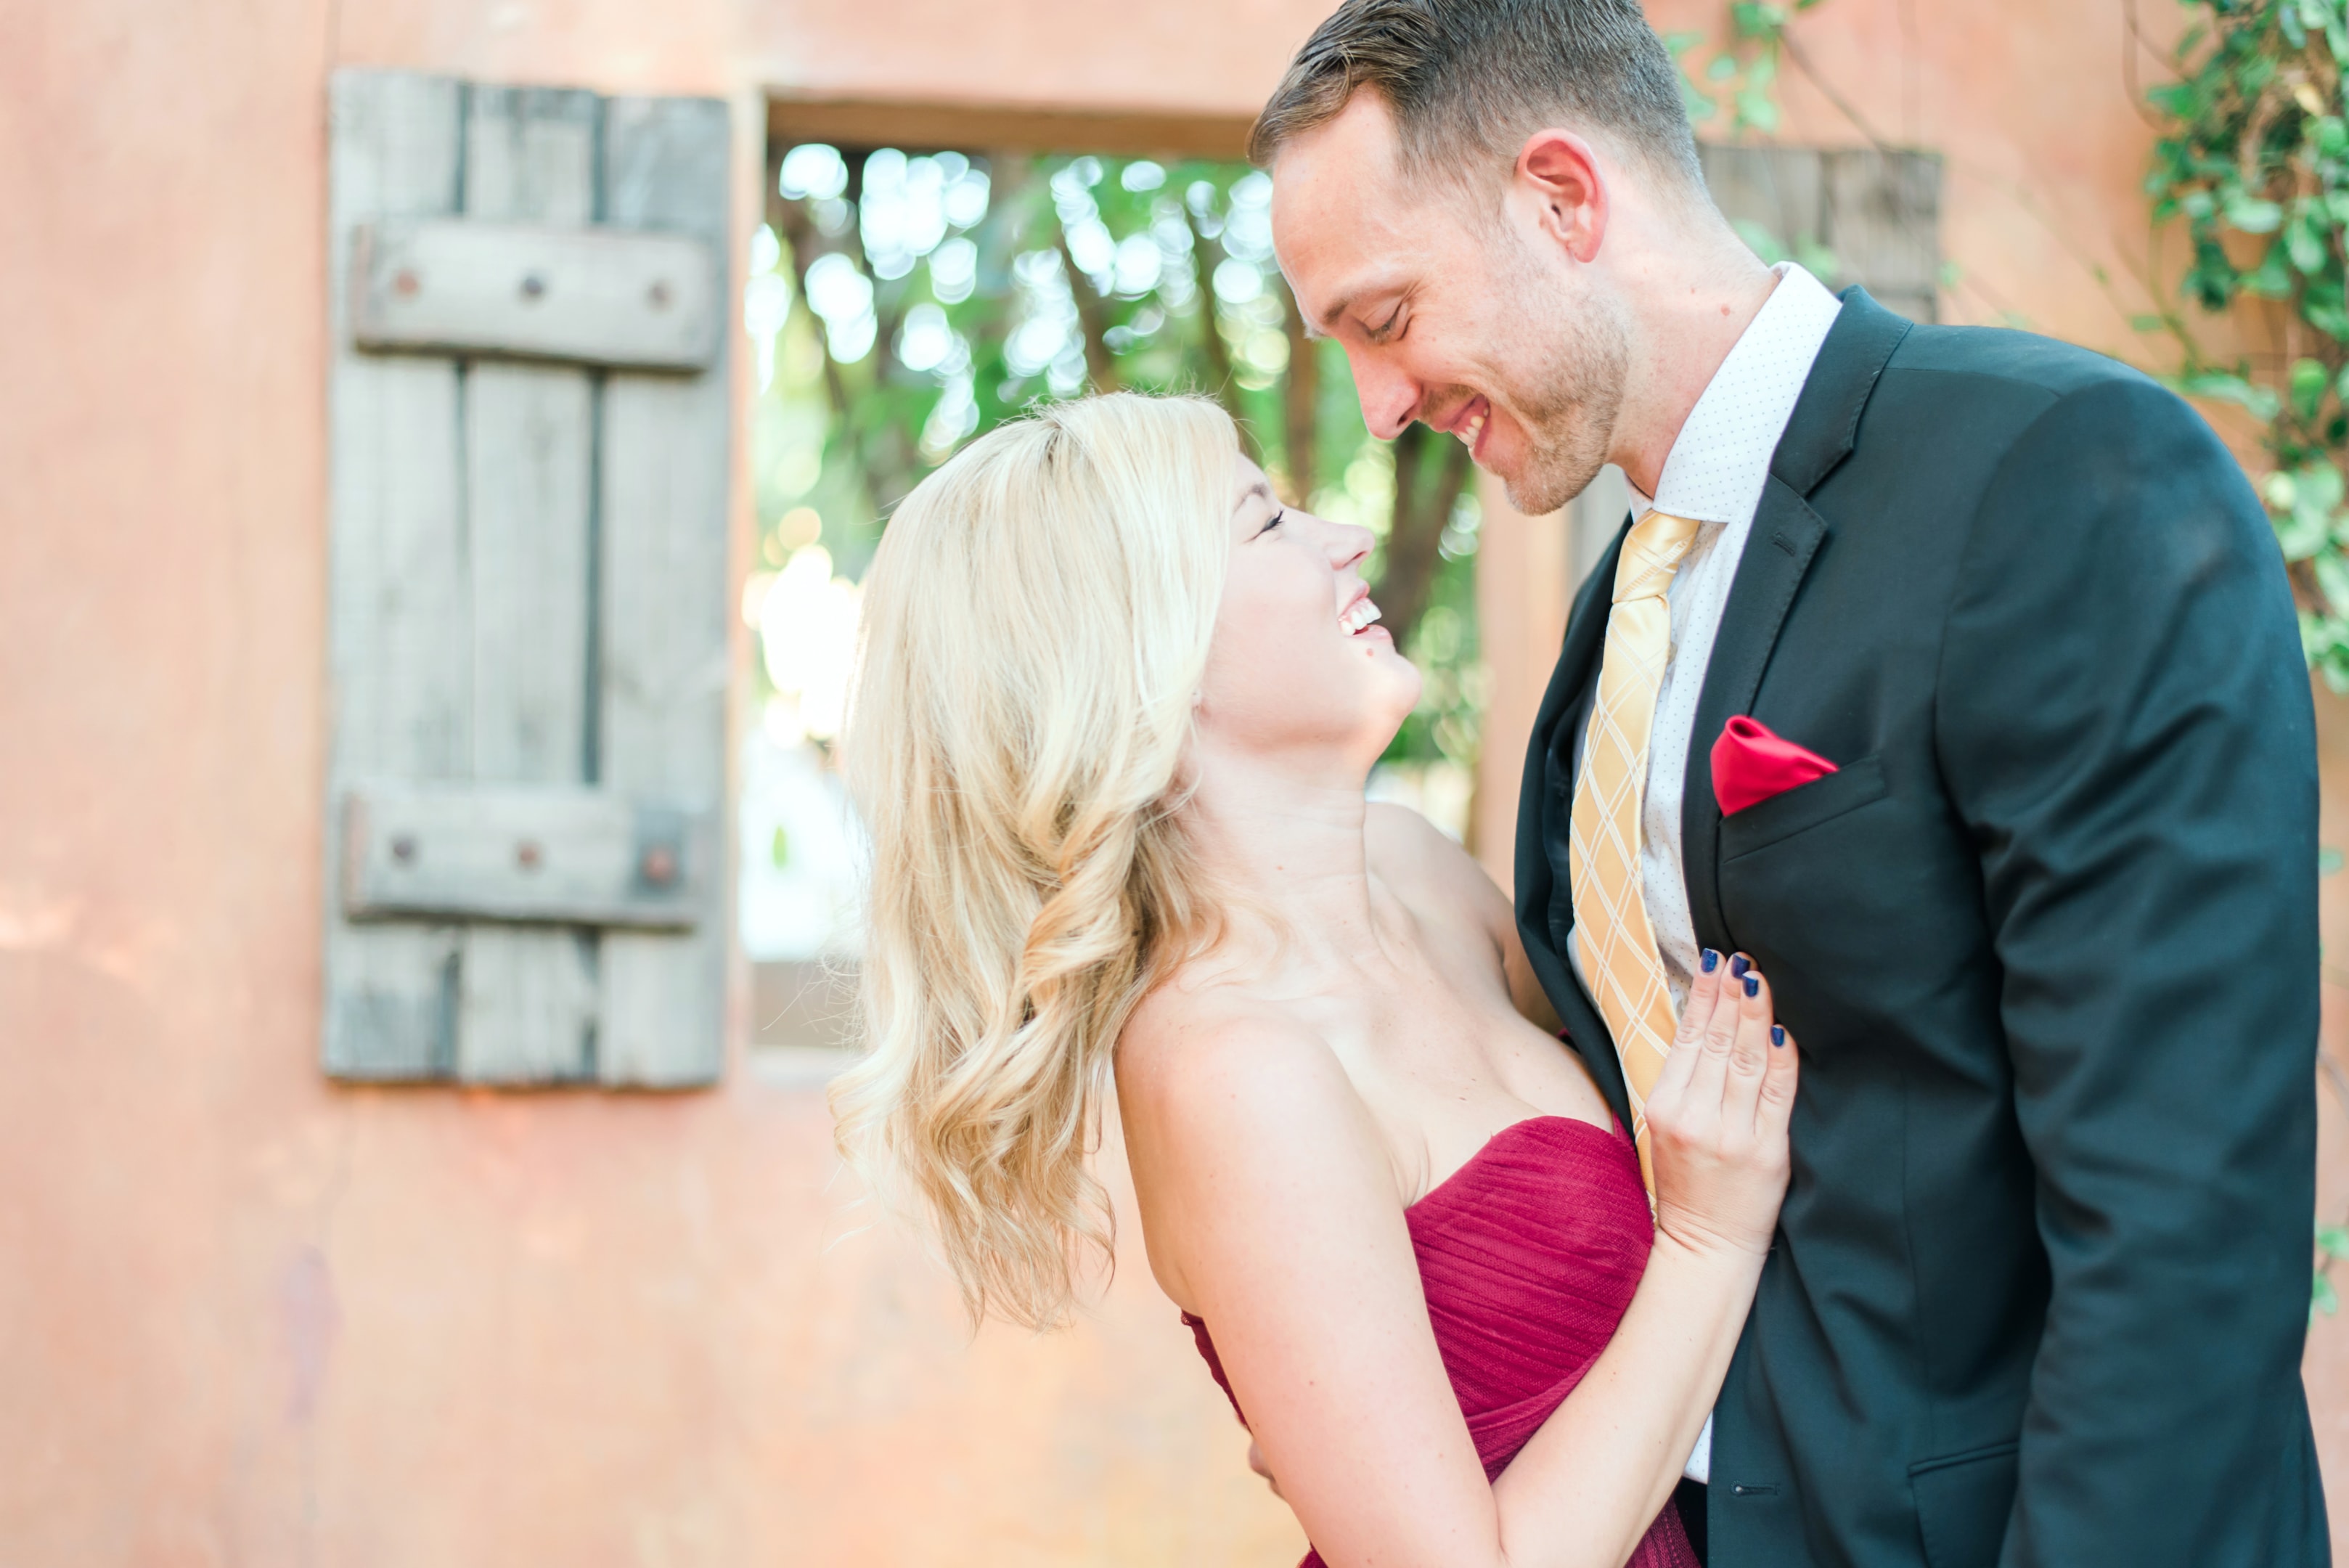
(1470, 78)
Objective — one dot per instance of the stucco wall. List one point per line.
(247, 1317)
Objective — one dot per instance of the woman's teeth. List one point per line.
(1363, 613)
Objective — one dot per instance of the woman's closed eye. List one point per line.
(1273, 522)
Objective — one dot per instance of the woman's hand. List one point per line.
(1717, 1117)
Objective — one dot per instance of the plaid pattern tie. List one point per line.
(1614, 940)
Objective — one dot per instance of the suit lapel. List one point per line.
(1786, 535)
(1541, 818)
(1570, 687)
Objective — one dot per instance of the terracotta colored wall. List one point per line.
(247, 1317)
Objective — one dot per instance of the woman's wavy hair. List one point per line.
(1035, 628)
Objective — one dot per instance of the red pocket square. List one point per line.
(1750, 763)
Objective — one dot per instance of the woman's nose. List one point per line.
(1348, 543)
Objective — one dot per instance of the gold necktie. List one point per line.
(1613, 937)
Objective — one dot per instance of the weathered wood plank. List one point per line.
(546, 853)
(1884, 223)
(583, 295)
(400, 639)
(665, 479)
(527, 1001)
(1877, 213)
(1776, 189)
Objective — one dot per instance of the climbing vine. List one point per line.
(1747, 70)
(2253, 165)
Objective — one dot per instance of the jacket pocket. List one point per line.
(1803, 807)
(1963, 1504)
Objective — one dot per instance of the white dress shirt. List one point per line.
(1713, 475)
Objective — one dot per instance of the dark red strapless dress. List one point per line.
(1530, 1255)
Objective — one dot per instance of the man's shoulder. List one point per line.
(2009, 364)
(1981, 396)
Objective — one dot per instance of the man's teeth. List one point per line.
(1469, 431)
(1363, 613)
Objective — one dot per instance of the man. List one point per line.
(2043, 913)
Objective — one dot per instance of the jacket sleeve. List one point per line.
(2126, 727)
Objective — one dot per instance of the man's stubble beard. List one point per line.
(1568, 391)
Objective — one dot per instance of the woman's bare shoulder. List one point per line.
(1236, 1114)
(1429, 871)
(1215, 1052)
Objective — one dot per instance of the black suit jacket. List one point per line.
(2048, 941)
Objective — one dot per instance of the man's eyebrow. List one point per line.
(1327, 326)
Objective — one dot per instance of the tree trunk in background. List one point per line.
(1300, 405)
(1101, 365)
(886, 458)
(1206, 256)
(1431, 468)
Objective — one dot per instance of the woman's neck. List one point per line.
(1287, 840)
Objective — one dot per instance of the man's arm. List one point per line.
(2125, 724)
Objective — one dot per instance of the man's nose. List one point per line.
(1390, 399)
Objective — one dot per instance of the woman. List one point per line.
(1116, 711)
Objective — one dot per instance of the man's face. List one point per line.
(1455, 307)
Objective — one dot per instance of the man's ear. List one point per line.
(1558, 172)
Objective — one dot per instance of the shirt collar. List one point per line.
(1721, 460)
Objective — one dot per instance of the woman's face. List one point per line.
(1299, 663)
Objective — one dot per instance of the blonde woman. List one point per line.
(1115, 711)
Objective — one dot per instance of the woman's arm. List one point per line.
(1273, 1206)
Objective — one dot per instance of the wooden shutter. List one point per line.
(1879, 214)
(530, 429)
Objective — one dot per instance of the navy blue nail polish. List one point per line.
(1778, 1035)
(1752, 985)
(1740, 964)
(1712, 960)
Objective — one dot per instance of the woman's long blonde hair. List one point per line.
(1035, 629)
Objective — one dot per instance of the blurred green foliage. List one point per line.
(902, 304)
(1747, 70)
(2254, 163)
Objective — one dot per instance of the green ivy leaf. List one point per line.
(2271, 279)
(2319, 488)
(2323, 1297)
(2328, 864)
(2230, 388)
(2298, 538)
(2308, 379)
(2332, 574)
(2253, 215)
(2334, 1239)
(2306, 242)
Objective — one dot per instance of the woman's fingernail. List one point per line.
(1712, 960)
(1778, 1035)
(1740, 964)
(1752, 985)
